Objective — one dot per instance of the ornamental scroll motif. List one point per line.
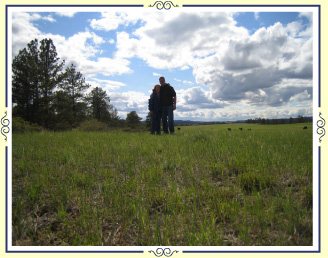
(5, 126)
(166, 5)
(166, 252)
(321, 130)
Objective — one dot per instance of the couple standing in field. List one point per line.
(161, 105)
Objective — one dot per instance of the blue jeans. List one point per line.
(156, 122)
(167, 118)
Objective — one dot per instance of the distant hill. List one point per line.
(299, 119)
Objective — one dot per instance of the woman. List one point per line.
(154, 106)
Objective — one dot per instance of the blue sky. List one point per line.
(224, 66)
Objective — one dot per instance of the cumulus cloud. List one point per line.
(128, 101)
(112, 20)
(233, 64)
(253, 68)
(173, 40)
(82, 49)
(196, 98)
(107, 85)
(271, 68)
(185, 67)
(23, 29)
(66, 14)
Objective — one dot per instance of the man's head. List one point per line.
(162, 80)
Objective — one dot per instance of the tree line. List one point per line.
(51, 96)
(299, 119)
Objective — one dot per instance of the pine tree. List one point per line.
(25, 82)
(74, 85)
(36, 73)
(64, 117)
(99, 107)
(50, 77)
(132, 119)
(148, 120)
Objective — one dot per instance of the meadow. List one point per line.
(203, 186)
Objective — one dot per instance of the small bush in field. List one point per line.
(22, 126)
(93, 125)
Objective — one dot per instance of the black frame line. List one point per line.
(319, 148)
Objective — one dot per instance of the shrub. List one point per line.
(92, 125)
(22, 126)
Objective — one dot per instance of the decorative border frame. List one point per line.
(5, 126)
(321, 124)
(166, 5)
(165, 251)
(160, 252)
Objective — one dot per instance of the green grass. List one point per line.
(204, 185)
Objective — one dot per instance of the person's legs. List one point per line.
(171, 119)
(158, 122)
(153, 123)
(164, 118)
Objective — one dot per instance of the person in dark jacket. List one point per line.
(155, 109)
(168, 102)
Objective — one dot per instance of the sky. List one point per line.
(225, 65)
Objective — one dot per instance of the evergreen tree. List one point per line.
(44, 95)
(132, 119)
(148, 120)
(25, 82)
(64, 116)
(36, 73)
(99, 107)
(74, 85)
(50, 76)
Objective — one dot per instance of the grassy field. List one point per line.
(204, 185)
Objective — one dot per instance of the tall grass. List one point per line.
(204, 185)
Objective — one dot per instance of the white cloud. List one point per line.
(308, 15)
(257, 64)
(66, 14)
(173, 40)
(294, 28)
(302, 96)
(106, 85)
(197, 98)
(112, 20)
(185, 67)
(243, 111)
(235, 66)
(23, 30)
(130, 101)
(104, 66)
(82, 49)
(270, 68)
(187, 82)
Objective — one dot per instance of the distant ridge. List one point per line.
(269, 121)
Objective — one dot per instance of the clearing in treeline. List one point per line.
(205, 185)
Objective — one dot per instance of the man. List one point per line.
(168, 101)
